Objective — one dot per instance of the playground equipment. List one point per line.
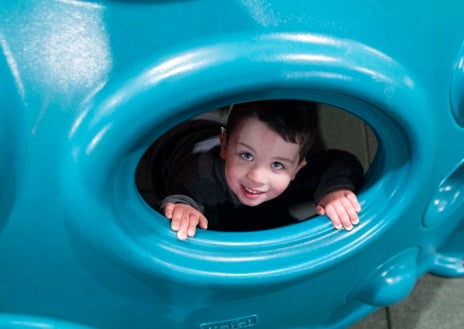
(87, 86)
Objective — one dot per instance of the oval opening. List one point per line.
(335, 129)
(120, 121)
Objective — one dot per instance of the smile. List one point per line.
(250, 192)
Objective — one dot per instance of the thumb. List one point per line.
(168, 210)
(320, 210)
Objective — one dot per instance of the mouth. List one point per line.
(251, 193)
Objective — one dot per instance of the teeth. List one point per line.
(251, 191)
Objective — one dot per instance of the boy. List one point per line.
(261, 166)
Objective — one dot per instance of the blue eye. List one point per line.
(246, 156)
(277, 165)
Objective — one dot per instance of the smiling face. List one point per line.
(259, 163)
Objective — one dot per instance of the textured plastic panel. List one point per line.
(87, 86)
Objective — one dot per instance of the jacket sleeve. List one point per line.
(194, 184)
(179, 198)
(338, 170)
(326, 171)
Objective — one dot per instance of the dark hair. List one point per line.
(294, 120)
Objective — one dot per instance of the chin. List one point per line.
(252, 203)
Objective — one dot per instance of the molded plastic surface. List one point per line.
(87, 86)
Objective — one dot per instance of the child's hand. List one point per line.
(342, 207)
(184, 219)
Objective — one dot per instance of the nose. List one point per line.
(257, 174)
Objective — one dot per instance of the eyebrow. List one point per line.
(282, 159)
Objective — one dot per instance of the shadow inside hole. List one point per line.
(336, 129)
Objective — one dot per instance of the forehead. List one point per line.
(252, 126)
(256, 134)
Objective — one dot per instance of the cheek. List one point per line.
(231, 173)
(280, 184)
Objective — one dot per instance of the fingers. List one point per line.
(354, 201)
(342, 209)
(195, 220)
(168, 210)
(181, 225)
(184, 219)
(342, 215)
(203, 222)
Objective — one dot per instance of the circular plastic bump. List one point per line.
(449, 260)
(448, 200)
(390, 282)
(457, 88)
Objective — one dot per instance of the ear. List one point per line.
(223, 139)
(300, 165)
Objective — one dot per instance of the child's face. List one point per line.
(259, 164)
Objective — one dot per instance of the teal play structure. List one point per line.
(87, 86)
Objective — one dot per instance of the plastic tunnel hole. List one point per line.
(245, 258)
(119, 224)
(337, 129)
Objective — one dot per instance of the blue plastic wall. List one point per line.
(87, 86)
